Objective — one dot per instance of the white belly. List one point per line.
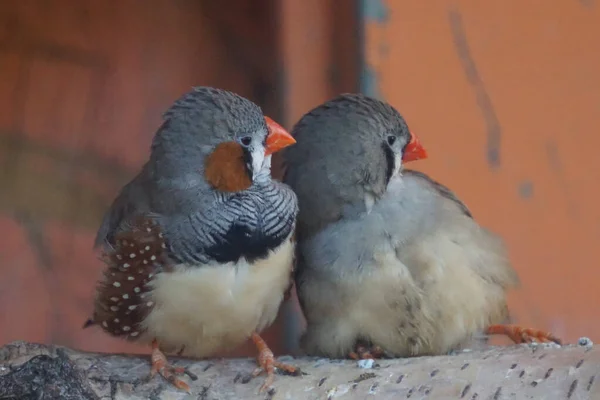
(213, 307)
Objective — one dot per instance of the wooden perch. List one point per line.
(32, 371)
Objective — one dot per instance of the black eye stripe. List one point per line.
(248, 162)
(390, 162)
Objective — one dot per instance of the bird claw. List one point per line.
(267, 363)
(366, 352)
(167, 371)
(522, 335)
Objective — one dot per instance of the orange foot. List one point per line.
(362, 351)
(160, 365)
(522, 335)
(266, 363)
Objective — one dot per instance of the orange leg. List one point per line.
(522, 335)
(365, 352)
(160, 365)
(267, 363)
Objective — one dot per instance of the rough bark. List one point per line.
(32, 371)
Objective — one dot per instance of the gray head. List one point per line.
(215, 138)
(347, 151)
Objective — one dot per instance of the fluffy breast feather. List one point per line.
(217, 307)
(417, 275)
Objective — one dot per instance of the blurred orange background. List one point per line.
(504, 95)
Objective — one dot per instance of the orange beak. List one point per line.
(414, 150)
(278, 137)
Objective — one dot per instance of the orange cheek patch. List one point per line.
(225, 168)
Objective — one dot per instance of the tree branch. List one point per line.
(32, 371)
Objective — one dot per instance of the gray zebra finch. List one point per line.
(199, 245)
(389, 261)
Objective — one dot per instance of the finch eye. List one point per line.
(246, 141)
(391, 140)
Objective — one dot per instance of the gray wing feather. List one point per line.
(441, 189)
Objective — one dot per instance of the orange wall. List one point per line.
(505, 95)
